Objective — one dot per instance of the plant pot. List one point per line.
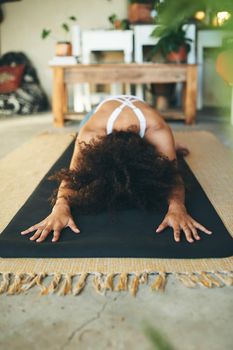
(117, 24)
(139, 13)
(177, 57)
(63, 48)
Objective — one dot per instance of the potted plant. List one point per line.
(63, 47)
(173, 44)
(139, 11)
(117, 23)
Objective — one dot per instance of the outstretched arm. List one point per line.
(60, 217)
(177, 216)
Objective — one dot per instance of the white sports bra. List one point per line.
(126, 100)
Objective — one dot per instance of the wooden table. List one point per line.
(132, 73)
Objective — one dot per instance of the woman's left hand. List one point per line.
(178, 218)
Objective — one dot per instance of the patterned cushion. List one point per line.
(10, 78)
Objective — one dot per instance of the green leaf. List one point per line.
(65, 27)
(157, 339)
(45, 33)
(72, 18)
(112, 18)
(124, 24)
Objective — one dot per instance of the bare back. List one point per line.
(98, 121)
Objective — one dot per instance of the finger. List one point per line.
(201, 227)
(194, 232)
(162, 226)
(31, 229)
(176, 231)
(44, 234)
(188, 233)
(56, 235)
(36, 234)
(73, 226)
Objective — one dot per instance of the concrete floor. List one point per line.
(190, 319)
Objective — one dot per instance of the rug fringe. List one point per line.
(98, 283)
(16, 286)
(226, 279)
(53, 286)
(143, 278)
(81, 284)
(134, 286)
(206, 279)
(5, 283)
(122, 283)
(66, 285)
(63, 284)
(109, 282)
(159, 282)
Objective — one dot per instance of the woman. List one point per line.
(124, 154)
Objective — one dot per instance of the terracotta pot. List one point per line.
(117, 24)
(63, 48)
(178, 57)
(139, 13)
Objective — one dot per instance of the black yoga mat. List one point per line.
(129, 233)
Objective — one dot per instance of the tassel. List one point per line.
(186, 280)
(27, 278)
(66, 287)
(81, 284)
(53, 285)
(39, 282)
(109, 282)
(205, 281)
(134, 285)
(159, 283)
(5, 283)
(143, 278)
(123, 282)
(200, 279)
(15, 287)
(212, 279)
(30, 283)
(35, 280)
(98, 283)
(226, 279)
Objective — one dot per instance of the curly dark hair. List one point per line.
(119, 170)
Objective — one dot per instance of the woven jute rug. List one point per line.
(23, 169)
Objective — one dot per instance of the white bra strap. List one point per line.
(142, 121)
(117, 111)
(112, 119)
(120, 98)
(125, 101)
(109, 99)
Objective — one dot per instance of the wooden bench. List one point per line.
(132, 73)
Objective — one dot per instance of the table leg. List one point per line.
(59, 102)
(190, 95)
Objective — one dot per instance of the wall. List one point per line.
(25, 19)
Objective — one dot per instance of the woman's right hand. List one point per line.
(59, 218)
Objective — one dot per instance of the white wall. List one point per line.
(24, 21)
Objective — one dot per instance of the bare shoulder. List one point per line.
(159, 134)
(155, 122)
(87, 133)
